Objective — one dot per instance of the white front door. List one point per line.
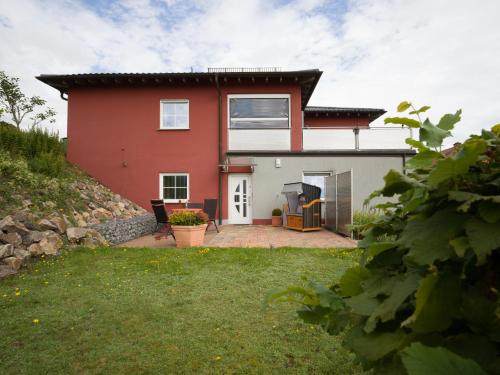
(240, 199)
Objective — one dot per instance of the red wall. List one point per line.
(327, 122)
(113, 134)
(110, 127)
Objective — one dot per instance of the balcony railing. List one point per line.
(376, 138)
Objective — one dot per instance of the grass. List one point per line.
(164, 311)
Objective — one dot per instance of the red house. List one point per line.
(233, 134)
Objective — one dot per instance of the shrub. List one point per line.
(48, 164)
(277, 212)
(427, 300)
(360, 219)
(29, 144)
(187, 218)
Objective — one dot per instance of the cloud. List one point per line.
(374, 53)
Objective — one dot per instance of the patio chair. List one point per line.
(194, 205)
(210, 208)
(162, 224)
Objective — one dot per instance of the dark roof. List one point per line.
(315, 111)
(307, 79)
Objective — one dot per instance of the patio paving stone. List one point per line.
(255, 236)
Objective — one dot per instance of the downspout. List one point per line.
(62, 95)
(219, 115)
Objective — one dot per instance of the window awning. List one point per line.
(238, 164)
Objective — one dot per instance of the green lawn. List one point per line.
(163, 311)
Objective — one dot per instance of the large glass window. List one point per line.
(259, 112)
(174, 114)
(174, 187)
(317, 179)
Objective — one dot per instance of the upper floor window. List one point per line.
(174, 114)
(263, 111)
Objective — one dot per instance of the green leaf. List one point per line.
(362, 304)
(437, 300)
(374, 346)
(403, 106)
(489, 211)
(458, 164)
(478, 348)
(378, 247)
(428, 238)
(483, 237)
(419, 359)
(404, 286)
(449, 120)
(325, 296)
(424, 159)
(425, 108)
(396, 183)
(411, 123)
(480, 313)
(350, 282)
(431, 135)
(460, 244)
(417, 144)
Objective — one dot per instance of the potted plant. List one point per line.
(277, 220)
(189, 227)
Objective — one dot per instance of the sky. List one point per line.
(374, 53)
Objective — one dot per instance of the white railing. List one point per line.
(376, 138)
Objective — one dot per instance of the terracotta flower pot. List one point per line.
(276, 221)
(189, 235)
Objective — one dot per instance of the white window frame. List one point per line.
(174, 200)
(326, 173)
(174, 101)
(258, 96)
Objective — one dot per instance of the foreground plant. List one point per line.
(427, 300)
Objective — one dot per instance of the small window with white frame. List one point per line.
(259, 111)
(316, 179)
(174, 114)
(174, 187)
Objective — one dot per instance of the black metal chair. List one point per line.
(162, 223)
(210, 208)
(195, 205)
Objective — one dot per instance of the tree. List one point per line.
(18, 105)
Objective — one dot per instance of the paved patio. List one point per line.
(255, 236)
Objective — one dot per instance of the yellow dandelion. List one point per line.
(218, 358)
(45, 282)
(5, 295)
(36, 321)
(18, 294)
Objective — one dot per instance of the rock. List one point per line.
(31, 237)
(13, 262)
(6, 271)
(59, 223)
(81, 223)
(35, 249)
(7, 224)
(27, 203)
(101, 214)
(22, 254)
(46, 224)
(75, 234)
(6, 250)
(12, 238)
(49, 204)
(51, 243)
(93, 238)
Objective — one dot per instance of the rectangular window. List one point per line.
(316, 179)
(259, 111)
(174, 114)
(174, 187)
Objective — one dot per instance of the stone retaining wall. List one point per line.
(117, 231)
